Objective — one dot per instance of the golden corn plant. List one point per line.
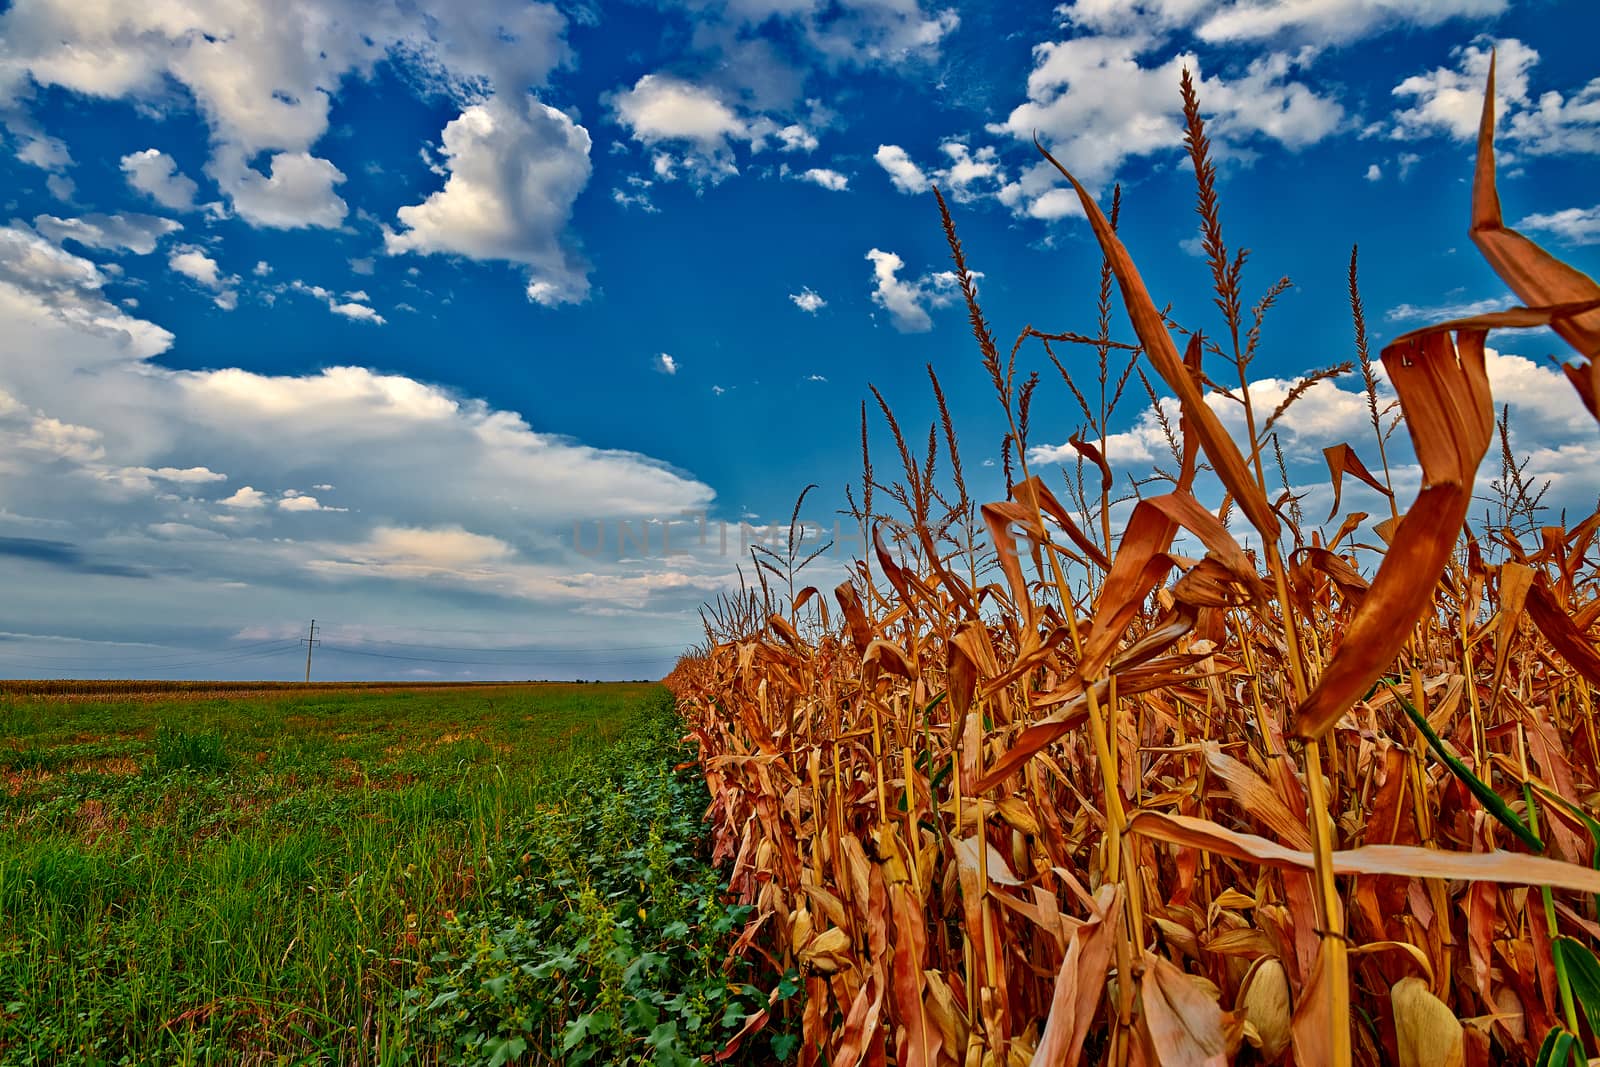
(1037, 792)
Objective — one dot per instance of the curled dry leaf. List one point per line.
(1342, 460)
(1536, 276)
(1445, 391)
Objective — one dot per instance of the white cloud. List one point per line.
(245, 498)
(358, 312)
(1327, 22)
(130, 232)
(828, 179)
(807, 300)
(185, 476)
(907, 301)
(1573, 225)
(156, 174)
(38, 150)
(261, 87)
(967, 176)
(661, 109)
(193, 263)
(298, 191)
(1454, 309)
(1315, 22)
(294, 500)
(1094, 104)
(906, 175)
(665, 364)
(514, 174)
(125, 458)
(796, 138)
(68, 287)
(1448, 101)
(1547, 418)
(438, 548)
(1374, 172)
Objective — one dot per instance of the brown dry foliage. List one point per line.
(1028, 799)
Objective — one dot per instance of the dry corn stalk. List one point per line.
(1031, 802)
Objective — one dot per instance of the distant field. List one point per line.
(253, 873)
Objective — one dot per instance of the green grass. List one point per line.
(260, 878)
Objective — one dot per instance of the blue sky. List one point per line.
(351, 308)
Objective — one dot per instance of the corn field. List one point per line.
(1032, 789)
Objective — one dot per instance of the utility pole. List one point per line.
(310, 640)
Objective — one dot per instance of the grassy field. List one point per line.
(259, 875)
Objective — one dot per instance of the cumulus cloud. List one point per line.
(905, 174)
(297, 192)
(1573, 225)
(665, 364)
(156, 175)
(1448, 101)
(807, 300)
(966, 175)
(193, 263)
(1321, 23)
(245, 498)
(69, 287)
(220, 477)
(260, 89)
(358, 312)
(661, 109)
(1548, 420)
(1095, 104)
(828, 179)
(1451, 309)
(295, 500)
(131, 232)
(907, 300)
(514, 172)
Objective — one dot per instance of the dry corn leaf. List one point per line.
(1512, 868)
(1560, 630)
(1181, 1021)
(1033, 493)
(1257, 798)
(1532, 273)
(920, 1035)
(1214, 440)
(1342, 460)
(1444, 390)
(998, 869)
(1079, 983)
(855, 618)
